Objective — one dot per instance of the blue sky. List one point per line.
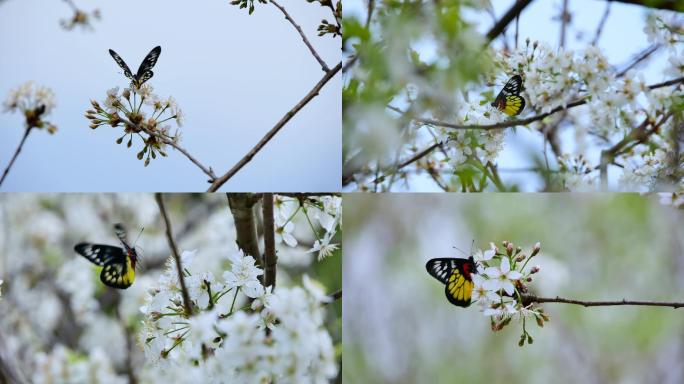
(622, 37)
(233, 75)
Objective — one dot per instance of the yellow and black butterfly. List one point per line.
(509, 100)
(118, 264)
(456, 275)
(144, 70)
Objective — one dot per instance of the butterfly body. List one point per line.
(144, 70)
(509, 100)
(456, 275)
(118, 264)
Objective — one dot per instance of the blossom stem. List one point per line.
(174, 251)
(16, 153)
(270, 257)
(535, 299)
(324, 66)
(232, 305)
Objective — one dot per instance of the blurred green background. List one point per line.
(399, 327)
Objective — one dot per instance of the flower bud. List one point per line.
(536, 248)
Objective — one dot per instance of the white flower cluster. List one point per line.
(326, 210)
(125, 109)
(499, 289)
(34, 102)
(279, 336)
(30, 96)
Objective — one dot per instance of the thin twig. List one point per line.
(501, 25)
(324, 66)
(535, 299)
(637, 135)
(174, 251)
(602, 23)
(638, 59)
(565, 17)
(369, 12)
(16, 153)
(270, 257)
(217, 183)
(207, 170)
(72, 5)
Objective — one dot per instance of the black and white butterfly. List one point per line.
(509, 100)
(144, 70)
(118, 264)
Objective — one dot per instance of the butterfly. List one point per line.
(456, 274)
(509, 100)
(118, 264)
(144, 70)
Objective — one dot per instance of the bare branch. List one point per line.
(565, 19)
(501, 25)
(176, 255)
(207, 170)
(16, 153)
(324, 66)
(534, 299)
(638, 59)
(217, 183)
(602, 23)
(270, 257)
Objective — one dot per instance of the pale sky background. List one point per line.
(622, 37)
(234, 76)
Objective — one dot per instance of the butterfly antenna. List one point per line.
(140, 233)
(460, 250)
(138, 250)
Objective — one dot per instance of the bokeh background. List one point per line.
(233, 75)
(399, 327)
(59, 322)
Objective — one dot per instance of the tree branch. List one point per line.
(217, 183)
(501, 25)
(176, 255)
(324, 66)
(528, 299)
(16, 153)
(242, 208)
(270, 257)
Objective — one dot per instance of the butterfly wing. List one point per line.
(122, 64)
(118, 274)
(514, 104)
(145, 68)
(509, 100)
(455, 274)
(100, 254)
